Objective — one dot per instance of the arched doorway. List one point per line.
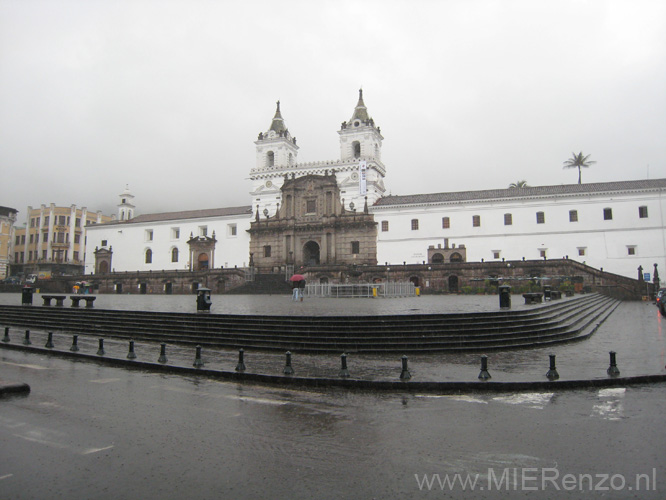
(311, 253)
(202, 262)
(415, 280)
(453, 284)
(437, 258)
(103, 267)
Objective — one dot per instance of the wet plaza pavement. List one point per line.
(94, 431)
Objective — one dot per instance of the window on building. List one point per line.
(476, 220)
(104, 243)
(508, 219)
(33, 221)
(573, 215)
(608, 214)
(496, 254)
(311, 206)
(542, 254)
(29, 255)
(355, 247)
(149, 256)
(270, 159)
(446, 223)
(60, 237)
(32, 238)
(385, 226)
(62, 220)
(149, 235)
(631, 250)
(175, 233)
(23, 239)
(415, 224)
(232, 230)
(46, 237)
(45, 254)
(174, 254)
(203, 230)
(77, 238)
(18, 240)
(78, 222)
(642, 212)
(46, 221)
(581, 251)
(76, 255)
(357, 149)
(541, 217)
(267, 251)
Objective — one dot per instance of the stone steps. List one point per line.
(555, 322)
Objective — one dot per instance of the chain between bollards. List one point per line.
(198, 362)
(484, 374)
(131, 354)
(613, 370)
(288, 370)
(49, 341)
(240, 367)
(552, 371)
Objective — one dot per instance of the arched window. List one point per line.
(149, 256)
(291, 159)
(271, 159)
(356, 146)
(174, 254)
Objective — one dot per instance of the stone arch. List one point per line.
(202, 261)
(311, 251)
(437, 258)
(416, 280)
(456, 257)
(356, 149)
(453, 283)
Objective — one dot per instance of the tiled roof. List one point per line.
(188, 214)
(518, 193)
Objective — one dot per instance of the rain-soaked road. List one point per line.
(91, 431)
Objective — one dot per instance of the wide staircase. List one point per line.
(556, 322)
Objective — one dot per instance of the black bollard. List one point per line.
(131, 354)
(484, 375)
(288, 370)
(613, 370)
(100, 351)
(344, 372)
(5, 339)
(552, 372)
(240, 367)
(26, 340)
(198, 362)
(404, 374)
(75, 343)
(162, 359)
(49, 341)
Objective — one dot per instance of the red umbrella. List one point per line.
(297, 277)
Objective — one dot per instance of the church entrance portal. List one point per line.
(311, 254)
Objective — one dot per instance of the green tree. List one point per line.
(519, 184)
(578, 161)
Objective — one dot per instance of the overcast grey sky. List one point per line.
(169, 96)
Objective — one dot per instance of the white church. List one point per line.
(617, 226)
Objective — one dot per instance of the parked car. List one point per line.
(12, 280)
(661, 301)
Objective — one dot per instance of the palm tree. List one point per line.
(519, 184)
(578, 161)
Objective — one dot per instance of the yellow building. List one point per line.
(7, 220)
(53, 240)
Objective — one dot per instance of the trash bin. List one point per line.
(504, 296)
(26, 295)
(546, 293)
(203, 300)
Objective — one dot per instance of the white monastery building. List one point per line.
(336, 212)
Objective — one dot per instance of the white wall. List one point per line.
(130, 242)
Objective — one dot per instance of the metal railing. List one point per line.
(356, 290)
